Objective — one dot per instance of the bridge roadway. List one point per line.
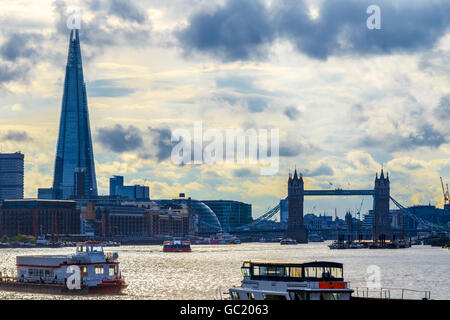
(338, 192)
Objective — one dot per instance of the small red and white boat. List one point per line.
(98, 272)
(177, 245)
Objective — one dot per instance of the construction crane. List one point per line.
(445, 193)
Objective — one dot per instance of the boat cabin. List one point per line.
(292, 280)
(95, 266)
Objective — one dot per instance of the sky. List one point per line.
(346, 100)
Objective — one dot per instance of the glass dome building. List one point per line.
(205, 220)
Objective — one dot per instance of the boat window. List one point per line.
(84, 270)
(234, 295)
(112, 270)
(298, 295)
(30, 272)
(329, 296)
(274, 297)
(245, 272)
(326, 272)
(250, 296)
(310, 272)
(256, 270)
(48, 273)
(80, 249)
(336, 272)
(272, 271)
(98, 269)
(295, 272)
(97, 249)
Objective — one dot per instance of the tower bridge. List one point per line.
(381, 229)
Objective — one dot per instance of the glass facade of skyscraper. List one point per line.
(74, 174)
(230, 213)
(11, 175)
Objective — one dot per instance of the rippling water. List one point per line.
(153, 274)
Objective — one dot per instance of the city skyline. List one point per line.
(343, 114)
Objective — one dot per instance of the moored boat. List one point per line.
(97, 272)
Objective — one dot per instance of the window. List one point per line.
(245, 272)
(295, 272)
(329, 296)
(98, 269)
(299, 295)
(234, 295)
(251, 296)
(256, 270)
(336, 272)
(310, 272)
(30, 272)
(84, 271)
(112, 270)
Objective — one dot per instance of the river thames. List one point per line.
(208, 269)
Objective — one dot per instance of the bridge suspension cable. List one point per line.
(413, 216)
(265, 217)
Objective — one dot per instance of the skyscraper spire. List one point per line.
(74, 165)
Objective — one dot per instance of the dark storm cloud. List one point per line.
(127, 10)
(18, 45)
(100, 32)
(237, 31)
(16, 136)
(322, 170)
(442, 112)
(11, 72)
(292, 113)
(161, 142)
(244, 30)
(119, 139)
(17, 54)
(425, 136)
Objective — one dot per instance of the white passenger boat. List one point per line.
(99, 272)
(291, 280)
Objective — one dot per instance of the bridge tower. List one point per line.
(296, 230)
(381, 229)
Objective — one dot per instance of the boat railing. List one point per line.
(385, 293)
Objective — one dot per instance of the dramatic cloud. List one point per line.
(292, 113)
(442, 112)
(101, 30)
(423, 136)
(161, 142)
(119, 139)
(244, 30)
(127, 10)
(322, 170)
(16, 136)
(237, 31)
(19, 45)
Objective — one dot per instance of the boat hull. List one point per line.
(59, 289)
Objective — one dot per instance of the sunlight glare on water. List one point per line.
(153, 274)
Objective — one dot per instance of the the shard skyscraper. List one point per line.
(74, 175)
